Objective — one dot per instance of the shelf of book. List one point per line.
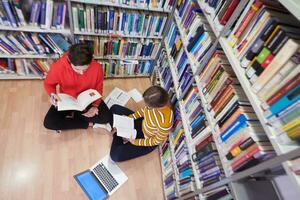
(18, 77)
(128, 76)
(293, 6)
(209, 18)
(240, 73)
(190, 141)
(119, 58)
(105, 3)
(35, 29)
(117, 35)
(36, 56)
(162, 169)
(171, 145)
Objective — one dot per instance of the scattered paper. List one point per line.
(117, 96)
(135, 95)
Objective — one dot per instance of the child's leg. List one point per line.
(121, 152)
(57, 120)
(120, 110)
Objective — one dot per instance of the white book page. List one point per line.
(136, 95)
(126, 133)
(123, 122)
(67, 102)
(87, 97)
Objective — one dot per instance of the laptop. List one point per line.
(101, 180)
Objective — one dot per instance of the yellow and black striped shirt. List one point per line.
(156, 126)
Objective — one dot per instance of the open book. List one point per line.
(124, 126)
(84, 99)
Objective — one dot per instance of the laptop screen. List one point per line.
(91, 185)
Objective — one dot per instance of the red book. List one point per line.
(267, 61)
(248, 17)
(203, 143)
(248, 155)
(284, 89)
(230, 9)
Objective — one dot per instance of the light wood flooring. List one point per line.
(36, 163)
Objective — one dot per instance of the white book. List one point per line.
(124, 126)
(75, 18)
(84, 99)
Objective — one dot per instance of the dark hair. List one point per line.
(80, 54)
(155, 96)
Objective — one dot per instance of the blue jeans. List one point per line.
(122, 152)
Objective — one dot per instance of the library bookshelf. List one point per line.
(68, 31)
(284, 151)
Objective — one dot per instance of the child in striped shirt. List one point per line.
(152, 122)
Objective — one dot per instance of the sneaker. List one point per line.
(104, 126)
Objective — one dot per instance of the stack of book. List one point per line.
(266, 42)
(45, 14)
(197, 34)
(183, 162)
(165, 72)
(194, 112)
(208, 162)
(25, 67)
(95, 19)
(121, 48)
(173, 41)
(220, 193)
(184, 72)
(126, 67)
(33, 43)
(220, 10)
(242, 139)
(143, 4)
(168, 171)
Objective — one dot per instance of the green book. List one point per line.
(81, 19)
(116, 47)
(263, 55)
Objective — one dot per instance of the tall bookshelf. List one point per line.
(115, 63)
(237, 182)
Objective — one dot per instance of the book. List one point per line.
(80, 103)
(124, 126)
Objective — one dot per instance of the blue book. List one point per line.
(111, 20)
(239, 123)
(193, 40)
(60, 41)
(59, 14)
(9, 13)
(196, 45)
(7, 47)
(197, 120)
(37, 14)
(291, 97)
(43, 13)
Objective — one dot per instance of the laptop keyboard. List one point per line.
(105, 176)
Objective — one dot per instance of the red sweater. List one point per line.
(72, 83)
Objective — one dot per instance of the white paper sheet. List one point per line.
(135, 95)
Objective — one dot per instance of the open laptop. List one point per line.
(101, 180)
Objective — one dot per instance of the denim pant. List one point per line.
(122, 152)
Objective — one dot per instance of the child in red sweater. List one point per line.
(75, 72)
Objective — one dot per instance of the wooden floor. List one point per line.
(38, 164)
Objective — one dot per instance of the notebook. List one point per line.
(101, 180)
